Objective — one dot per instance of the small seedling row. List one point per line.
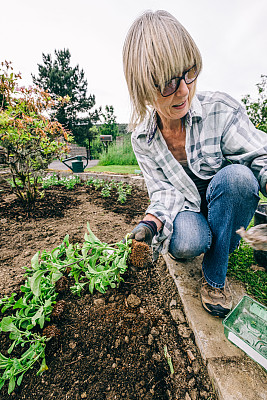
(95, 264)
(105, 187)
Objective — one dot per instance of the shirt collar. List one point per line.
(151, 125)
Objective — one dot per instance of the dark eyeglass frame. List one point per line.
(179, 78)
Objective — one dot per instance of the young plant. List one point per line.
(105, 192)
(50, 180)
(122, 193)
(90, 181)
(101, 265)
(70, 182)
(122, 189)
(15, 368)
(98, 183)
(169, 359)
(96, 264)
(128, 189)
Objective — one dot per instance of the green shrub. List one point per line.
(257, 109)
(30, 139)
(118, 154)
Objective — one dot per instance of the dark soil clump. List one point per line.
(141, 256)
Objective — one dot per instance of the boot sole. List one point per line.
(218, 311)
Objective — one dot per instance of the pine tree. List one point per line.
(61, 80)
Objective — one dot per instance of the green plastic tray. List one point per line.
(246, 327)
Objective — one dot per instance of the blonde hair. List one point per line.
(156, 49)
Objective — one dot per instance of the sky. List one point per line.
(231, 36)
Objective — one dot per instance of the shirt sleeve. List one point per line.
(244, 144)
(165, 200)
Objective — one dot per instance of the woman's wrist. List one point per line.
(151, 225)
(151, 217)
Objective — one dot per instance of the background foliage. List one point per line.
(30, 137)
(61, 80)
(257, 109)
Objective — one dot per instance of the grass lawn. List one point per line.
(115, 169)
(255, 280)
(240, 263)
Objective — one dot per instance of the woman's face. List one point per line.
(176, 105)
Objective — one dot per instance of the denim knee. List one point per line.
(236, 180)
(186, 250)
(191, 236)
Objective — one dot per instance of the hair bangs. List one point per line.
(157, 48)
(178, 55)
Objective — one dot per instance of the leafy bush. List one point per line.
(119, 154)
(109, 125)
(257, 110)
(30, 139)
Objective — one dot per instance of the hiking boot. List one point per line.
(179, 259)
(217, 301)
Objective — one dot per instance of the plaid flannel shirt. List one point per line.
(218, 130)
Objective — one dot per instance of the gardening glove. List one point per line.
(144, 232)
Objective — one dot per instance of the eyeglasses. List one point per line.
(172, 86)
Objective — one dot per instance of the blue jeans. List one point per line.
(230, 202)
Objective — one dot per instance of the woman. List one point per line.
(202, 159)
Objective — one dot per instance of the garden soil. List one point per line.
(108, 346)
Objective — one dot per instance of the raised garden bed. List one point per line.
(119, 345)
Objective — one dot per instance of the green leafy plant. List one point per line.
(30, 139)
(122, 192)
(33, 308)
(15, 368)
(96, 265)
(257, 109)
(89, 181)
(119, 154)
(53, 180)
(105, 192)
(122, 189)
(97, 183)
(70, 182)
(128, 189)
(50, 180)
(169, 359)
(239, 266)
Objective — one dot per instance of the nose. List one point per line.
(182, 89)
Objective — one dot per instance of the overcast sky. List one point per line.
(231, 35)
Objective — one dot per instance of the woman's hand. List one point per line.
(146, 229)
(143, 233)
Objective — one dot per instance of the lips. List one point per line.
(179, 105)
